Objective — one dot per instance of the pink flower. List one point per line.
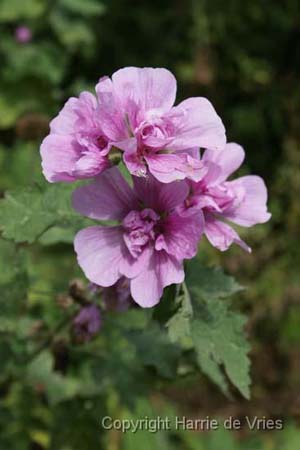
(23, 34)
(76, 147)
(150, 242)
(137, 114)
(241, 201)
(133, 112)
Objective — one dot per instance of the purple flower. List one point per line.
(241, 201)
(117, 297)
(23, 34)
(87, 323)
(133, 112)
(137, 114)
(76, 147)
(149, 244)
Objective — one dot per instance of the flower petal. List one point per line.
(161, 197)
(109, 111)
(181, 235)
(221, 235)
(253, 207)
(65, 122)
(131, 267)
(90, 164)
(146, 87)
(197, 125)
(172, 167)
(229, 160)
(163, 270)
(109, 197)
(59, 156)
(99, 253)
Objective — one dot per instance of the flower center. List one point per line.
(139, 227)
(154, 132)
(101, 142)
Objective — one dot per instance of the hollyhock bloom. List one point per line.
(23, 34)
(76, 147)
(150, 242)
(133, 112)
(87, 323)
(136, 113)
(241, 201)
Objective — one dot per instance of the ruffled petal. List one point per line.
(109, 197)
(147, 88)
(110, 114)
(74, 109)
(90, 164)
(253, 207)
(99, 253)
(229, 160)
(64, 122)
(172, 167)
(163, 270)
(133, 162)
(131, 267)
(59, 157)
(181, 235)
(160, 197)
(197, 125)
(221, 235)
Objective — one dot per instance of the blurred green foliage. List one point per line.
(244, 56)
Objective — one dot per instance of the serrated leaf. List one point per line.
(179, 324)
(204, 322)
(219, 341)
(209, 282)
(23, 215)
(26, 214)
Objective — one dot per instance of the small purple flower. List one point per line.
(87, 323)
(151, 241)
(117, 297)
(93, 288)
(23, 34)
(134, 113)
(241, 201)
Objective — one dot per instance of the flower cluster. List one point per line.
(179, 162)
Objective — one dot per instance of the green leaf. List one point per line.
(179, 324)
(86, 8)
(210, 282)
(160, 439)
(25, 215)
(41, 61)
(11, 10)
(219, 341)
(204, 322)
(154, 349)
(58, 388)
(13, 277)
(72, 33)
